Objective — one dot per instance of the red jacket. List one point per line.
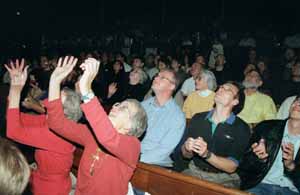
(53, 155)
(99, 172)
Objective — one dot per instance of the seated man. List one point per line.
(271, 164)
(258, 106)
(14, 169)
(215, 141)
(166, 121)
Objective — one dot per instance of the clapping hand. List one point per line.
(198, 146)
(288, 155)
(63, 68)
(260, 150)
(112, 88)
(90, 68)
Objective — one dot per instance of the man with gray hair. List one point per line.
(258, 106)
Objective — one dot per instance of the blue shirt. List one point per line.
(276, 175)
(166, 126)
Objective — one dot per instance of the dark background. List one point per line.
(25, 23)
(94, 15)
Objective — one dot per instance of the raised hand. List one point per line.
(288, 155)
(260, 150)
(90, 68)
(63, 69)
(112, 88)
(18, 74)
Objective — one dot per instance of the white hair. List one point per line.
(210, 79)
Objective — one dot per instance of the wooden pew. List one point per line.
(160, 181)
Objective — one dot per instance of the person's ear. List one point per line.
(235, 102)
(172, 87)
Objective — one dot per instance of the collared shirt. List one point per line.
(166, 125)
(229, 120)
(229, 140)
(276, 175)
(258, 107)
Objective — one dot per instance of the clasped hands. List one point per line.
(198, 146)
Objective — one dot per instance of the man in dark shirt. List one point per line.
(215, 141)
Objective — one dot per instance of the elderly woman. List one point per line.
(109, 158)
(202, 99)
(53, 155)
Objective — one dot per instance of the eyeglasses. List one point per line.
(123, 107)
(198, 78)
(228, 89)
(165, 78)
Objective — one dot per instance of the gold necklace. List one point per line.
(95, 158)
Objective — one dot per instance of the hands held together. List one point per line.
(198, 146)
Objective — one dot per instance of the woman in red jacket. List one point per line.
(53, 155)
(107, 170)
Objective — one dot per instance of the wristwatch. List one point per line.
(87, 97)
(208, 155)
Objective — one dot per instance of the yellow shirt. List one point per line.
(195, 103)
(258, 107)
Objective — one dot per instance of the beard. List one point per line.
(249, 85)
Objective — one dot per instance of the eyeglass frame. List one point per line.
(165, 78)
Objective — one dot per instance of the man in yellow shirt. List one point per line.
(258, 106)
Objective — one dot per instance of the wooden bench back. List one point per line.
(160, 181)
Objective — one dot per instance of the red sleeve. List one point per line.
(65, 127)
(126, 148)
(36, 134)
(33, 120)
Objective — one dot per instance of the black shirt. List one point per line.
(229, 139)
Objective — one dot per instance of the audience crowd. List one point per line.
(224, 112)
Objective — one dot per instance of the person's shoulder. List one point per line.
(241, 123)
(269, 123)
(175, 109)
(193, 94)
(147, 102)
(264, 96)
(188, 80)
(200, 115)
